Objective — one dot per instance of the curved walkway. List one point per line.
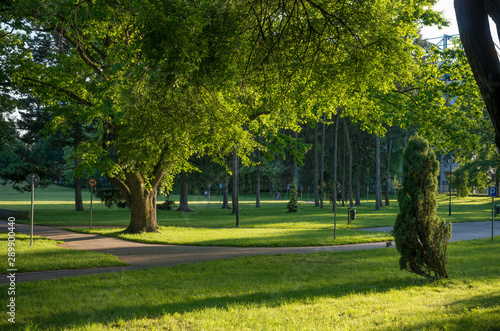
(139, 255)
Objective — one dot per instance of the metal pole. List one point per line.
(492, 215)
(32, 208)
(91, 194)
(449, 214)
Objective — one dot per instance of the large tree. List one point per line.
(474, 28)
(167, 79)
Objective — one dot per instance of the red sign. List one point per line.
(92, 182)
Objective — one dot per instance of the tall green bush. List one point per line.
(293, 204)
(421, 237)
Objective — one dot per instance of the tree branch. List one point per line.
(70, 94)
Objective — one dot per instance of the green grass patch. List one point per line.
(246, 237)
(358, 290)
(55, 206)
(47, 255)
(269, 225)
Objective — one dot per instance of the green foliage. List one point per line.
(460, 182)
(293, 205)
(421, 237)
(112, 197)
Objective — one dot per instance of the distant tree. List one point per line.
(421, 237)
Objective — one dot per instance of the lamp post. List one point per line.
(450, 161)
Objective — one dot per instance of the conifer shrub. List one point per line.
(421, 237)
(293, 204)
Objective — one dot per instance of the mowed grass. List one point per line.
(247, 237)
(357, 290)
(46, 255)
(269, 225)
(55, 206)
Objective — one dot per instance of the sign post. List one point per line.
(92, 183)
(492, 192)
(32, 179)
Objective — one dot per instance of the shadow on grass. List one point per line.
(267, 281)
(152, 293)
(250, 237)
(479, 312)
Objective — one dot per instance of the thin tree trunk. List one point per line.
(322, 171)
(78, 180)
(78, 193)
(225, 195)
(316, 161)
(257, 193)
(349, 155)
(183, 201)
(257, 196)
(334, 200)
(343, 174)
(388, 172)
(358, 187)
(235, 171)
(378, 197)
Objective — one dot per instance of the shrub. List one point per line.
(421, 237)
(293, 204)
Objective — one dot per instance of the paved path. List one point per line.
(139, 255)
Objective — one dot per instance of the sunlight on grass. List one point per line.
(246, 237)
(359, 290)
(46, 255)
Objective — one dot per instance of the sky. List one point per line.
(446, 6)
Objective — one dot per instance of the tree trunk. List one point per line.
(183, 200)
(473, 25)
(235, 171)
(388, 172)
(322, 171)
(316, 161)
(225, 195)
(257, 190)
(78, 132)
(349, 155)
(334, 200)
(343, 174)
(257, 196)
(78, 194)
(378, 197)
(358, 187)
(142, 201)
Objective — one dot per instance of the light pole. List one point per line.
(450, 161)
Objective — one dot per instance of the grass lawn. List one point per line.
(247, 237)
(358, 290)
(46, 255)
(210, 225)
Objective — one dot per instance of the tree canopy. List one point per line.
(164, 80)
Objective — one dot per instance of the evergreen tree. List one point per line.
(421, 237)
(293, 204)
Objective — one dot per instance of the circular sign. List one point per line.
(32, 179)
(92, 182)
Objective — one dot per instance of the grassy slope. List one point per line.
(361, 290)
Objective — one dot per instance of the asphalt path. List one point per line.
(139, 255)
